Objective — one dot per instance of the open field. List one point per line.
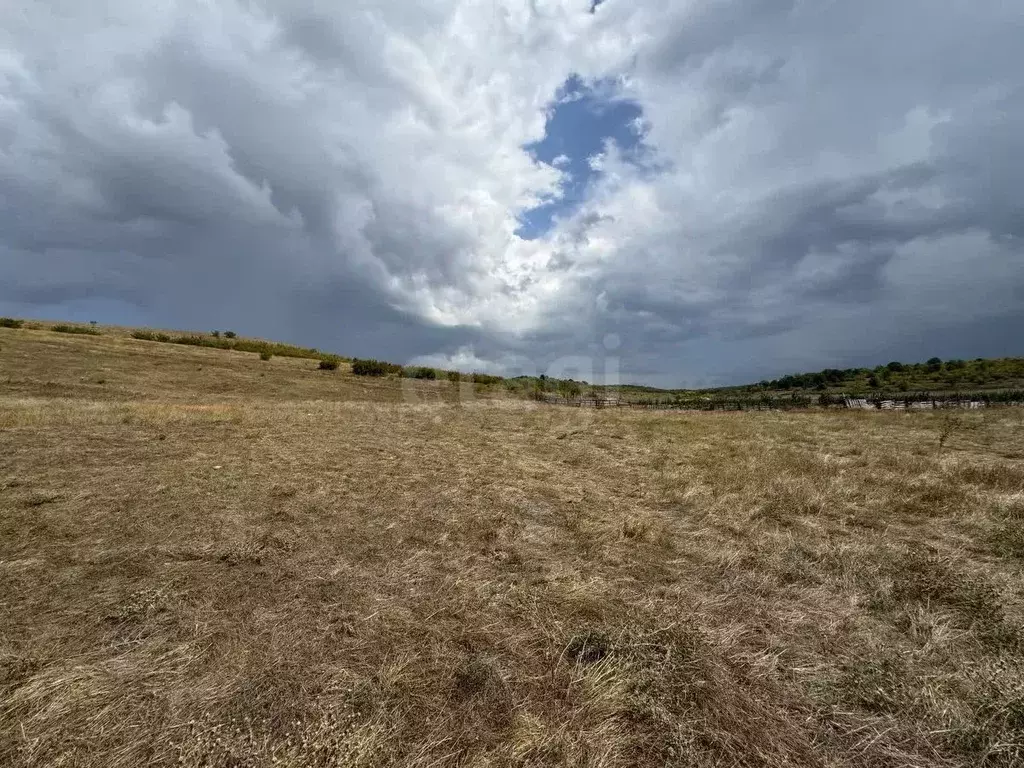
(211, 560)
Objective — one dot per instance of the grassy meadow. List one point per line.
(208, 559)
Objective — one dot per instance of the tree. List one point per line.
(934, 364)
(894, 366)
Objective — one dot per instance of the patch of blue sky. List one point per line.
(583, 117)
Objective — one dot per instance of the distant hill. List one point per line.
(934, 375)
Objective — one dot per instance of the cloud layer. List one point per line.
(822, 184)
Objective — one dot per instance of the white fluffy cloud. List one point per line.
(351, 176)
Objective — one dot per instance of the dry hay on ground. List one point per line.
(234, 571)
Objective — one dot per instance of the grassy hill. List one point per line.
(933, 376)
(894, 379)
(209, 559)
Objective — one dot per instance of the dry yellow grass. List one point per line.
(209, 560)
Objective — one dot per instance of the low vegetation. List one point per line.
(80, 329)
(933, 375)
(230, 341)
(207, 561)
(10, 322)
(150, 336)
(419, 372)
(362, 367)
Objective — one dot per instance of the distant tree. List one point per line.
(895, 367)
(230, 334)
(215, 334)
(934, 364)
(569, 389)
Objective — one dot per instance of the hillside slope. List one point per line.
(207, 559)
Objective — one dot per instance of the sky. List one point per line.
(669, 192)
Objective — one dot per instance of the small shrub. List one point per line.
(162, 337)
(374, 368)
(418, 372)
(949, 424)
(328, 365)
(75, 329)
(143, 335)
(454, 376)
(10, 322)
(202, 341)
(230, 334)
(486, 379)
(215, 334)
(265, 355)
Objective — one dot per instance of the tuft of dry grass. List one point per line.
(216, 561)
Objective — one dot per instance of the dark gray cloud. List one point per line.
(826, 183)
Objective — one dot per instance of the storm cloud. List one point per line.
(820, 184)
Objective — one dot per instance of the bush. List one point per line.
(265, 355)
(418, 372)
(215, 334)
(144, 335)
(374, 368)
(454, 376)
(485, 379)
(202, 341)
(10, 322)
(230, 334)
(328, 365)
(75, 329)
